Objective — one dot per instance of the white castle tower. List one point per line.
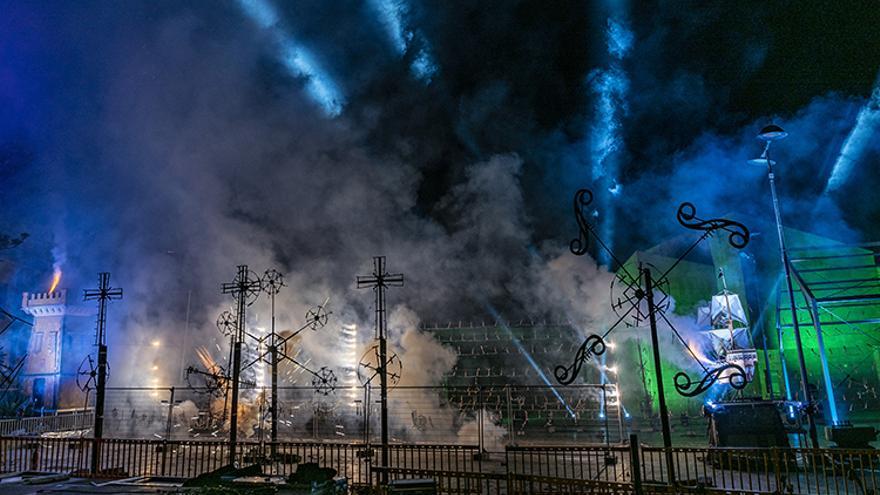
(60, 339)
(42, 369)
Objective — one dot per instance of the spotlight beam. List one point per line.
(299, 61)
(529, 358)
(857, 141)
(392, 15)
(610, 86)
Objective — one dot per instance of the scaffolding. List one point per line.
(839, 285)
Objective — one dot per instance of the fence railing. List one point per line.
(58, 422)
(790, 470)
(491, 416)
(188, 459)
(467, 469)
(513, 484)
(607, 464)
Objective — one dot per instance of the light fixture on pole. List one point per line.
(769, 134)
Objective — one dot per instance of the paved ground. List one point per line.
(16, 486)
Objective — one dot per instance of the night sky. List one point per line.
(169, 141)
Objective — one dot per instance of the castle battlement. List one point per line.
(44, 303)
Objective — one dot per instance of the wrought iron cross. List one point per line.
(245, 288)
(102, 294)
(634, 290)
(379, 281)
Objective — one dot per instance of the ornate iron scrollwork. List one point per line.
(687, 217)
(686, 387)
(594, 345)
(582, 199)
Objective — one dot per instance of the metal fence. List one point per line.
(768, 470)
(187, 459)
(606, 464)
(55, 422)
(490, 417)
(497, 484)
(467, 469)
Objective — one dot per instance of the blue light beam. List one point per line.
(857, 141)
(611, 86)
(296, 58)
(392, 15)
(528, 357)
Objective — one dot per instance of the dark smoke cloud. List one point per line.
(166, 143)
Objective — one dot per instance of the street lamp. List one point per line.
(769, 134)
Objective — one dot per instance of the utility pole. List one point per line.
(769, 134)
(245, 288)
(658, 375)
(379, 281)
(273, 281)
(102, 294)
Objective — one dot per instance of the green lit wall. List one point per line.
(850, 336)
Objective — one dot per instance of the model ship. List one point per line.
(727, 329)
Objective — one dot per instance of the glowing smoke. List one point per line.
(298, 60)
(239, 174)
(857, 141)
(610, 85)
(391, 13)
(393, 17)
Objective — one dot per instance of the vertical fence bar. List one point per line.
(510, 436)
(480, 419)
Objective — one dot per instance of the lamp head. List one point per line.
(760, 161)
(772, 132)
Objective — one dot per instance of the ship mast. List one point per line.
(729, 310)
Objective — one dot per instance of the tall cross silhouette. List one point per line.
(102, 294)
(379, 281)
(245, 288)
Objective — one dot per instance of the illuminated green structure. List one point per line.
(842, 279)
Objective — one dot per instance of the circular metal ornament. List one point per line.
(317, 317)
(368, 366)
(251, 285)
(272, 281)
(629, 300)
(324, 381)
(227, 323)
(86, 374)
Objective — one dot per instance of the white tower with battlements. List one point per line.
(61, 338)
(42, 369)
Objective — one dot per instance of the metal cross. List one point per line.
(245, 288)
(103, 294)
(379, 281)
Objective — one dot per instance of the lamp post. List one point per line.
(769, 134)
